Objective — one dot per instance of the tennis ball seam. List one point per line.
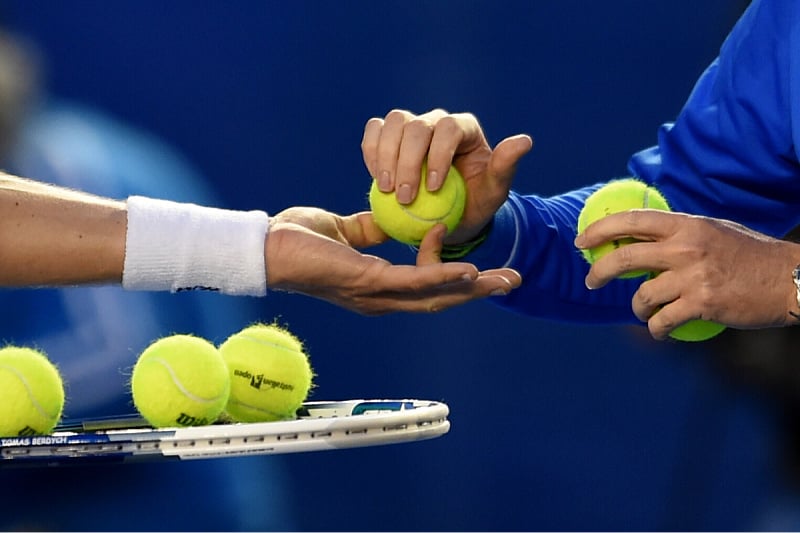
(252, 407)
(179, 384)
(407, 209)
(31, 396)
(408, 223)
(263, 342)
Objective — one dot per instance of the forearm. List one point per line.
(51, 236)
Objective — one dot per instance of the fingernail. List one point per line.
(499, 292)
(579, 239)
(586, 282)
(404, 194)
(384, 182)
(433, 183)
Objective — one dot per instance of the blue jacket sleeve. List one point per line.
(731, 153)
(534, 236)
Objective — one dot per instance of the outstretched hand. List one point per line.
(314, 252)
(709, 269)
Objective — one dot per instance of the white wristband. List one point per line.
(176, 247)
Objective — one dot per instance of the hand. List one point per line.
(312, 251)
(395, 147)
(709, 269)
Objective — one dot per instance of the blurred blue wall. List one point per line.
(554, 426)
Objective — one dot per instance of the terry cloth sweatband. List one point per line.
(176, 247)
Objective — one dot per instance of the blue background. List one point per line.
(555, 426)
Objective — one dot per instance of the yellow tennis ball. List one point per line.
(270, 374)
(615, 197)
(697, 330)
(31, 393)
(180, 380)
(409, 223)
(622, 195)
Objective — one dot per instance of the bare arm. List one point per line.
(51, 236)
(55, 236)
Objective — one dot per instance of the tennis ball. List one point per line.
(180, 380)
(697, 330)
(270, 374)
(621, 195)
(409, 223)
(31, 393)
(615, 197)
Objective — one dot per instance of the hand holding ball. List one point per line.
(616, 197)
(622, 195)
(409, 223)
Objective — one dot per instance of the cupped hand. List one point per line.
(314, 252)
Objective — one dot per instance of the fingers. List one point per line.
(369, 146)
(430, 249)
(666, 319)
(359, 230)
(510, 275)
(505, 157)
(462, 293)
(651, 227)
(642, 224)
(319, 261)
(653, 294)
(395, 147)
(637, 256)
(458, 133)
(432, 292)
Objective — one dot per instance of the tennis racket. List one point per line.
(319, 426)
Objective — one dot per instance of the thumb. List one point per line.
(506, 155)
(360, 230)
(430, 249)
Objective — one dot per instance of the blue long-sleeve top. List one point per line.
(731, 153)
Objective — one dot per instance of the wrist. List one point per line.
(454, 252)
(177, 247)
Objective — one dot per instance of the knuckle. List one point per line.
(705, 298)
(448, 125)
(633, 217)
(656, 331)
(374, 122)
(663, 321)
(465, 116)
(369, 144)
(625, 257)
(419, 127)
(397, 116)
(644, 295)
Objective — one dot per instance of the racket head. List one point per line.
(320, 425)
